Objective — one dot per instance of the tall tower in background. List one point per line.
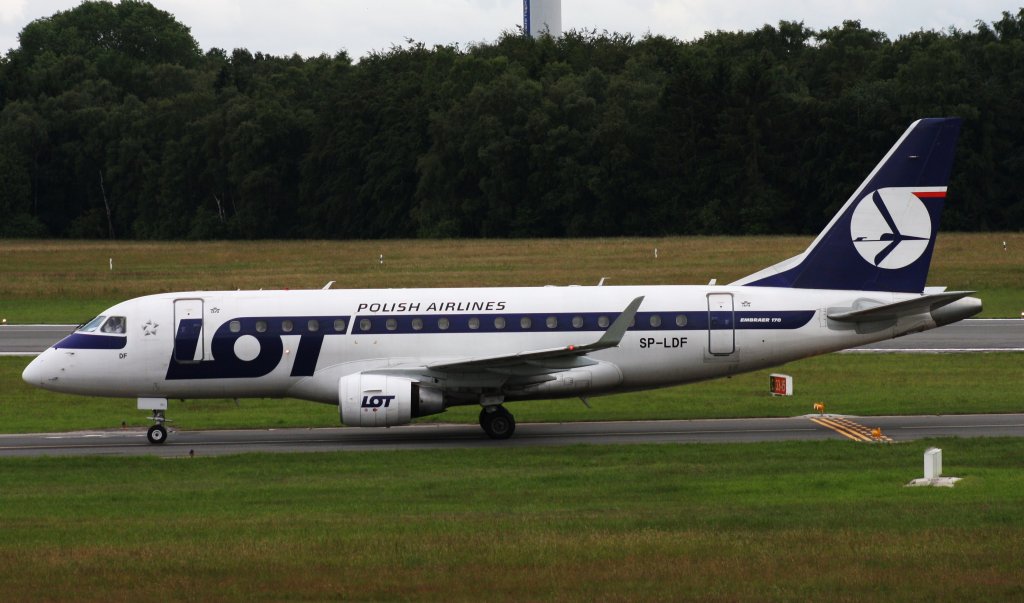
(542, 16)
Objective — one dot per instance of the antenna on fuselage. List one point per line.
(328, 285)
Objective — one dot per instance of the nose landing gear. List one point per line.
(157, 434)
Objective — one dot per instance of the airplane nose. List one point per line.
(34, 372)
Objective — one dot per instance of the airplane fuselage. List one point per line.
(300, 343)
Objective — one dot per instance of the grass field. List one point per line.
(774, 521)
(70, 281)
(857, 384)
(807, 521)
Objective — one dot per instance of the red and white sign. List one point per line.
(780, 385)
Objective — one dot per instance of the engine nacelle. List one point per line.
(369, 400)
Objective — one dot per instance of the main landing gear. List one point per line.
(498, 423)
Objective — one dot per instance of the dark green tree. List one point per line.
(113, 123)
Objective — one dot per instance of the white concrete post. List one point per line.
(932, 463)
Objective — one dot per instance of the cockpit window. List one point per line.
(114, 324)
(92, 325)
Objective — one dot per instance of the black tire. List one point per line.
(498, 423)
(157, 434)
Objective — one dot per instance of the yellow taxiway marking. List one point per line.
(850, 429)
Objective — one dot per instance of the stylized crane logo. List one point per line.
(891, 228)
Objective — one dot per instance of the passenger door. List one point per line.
(189, 345)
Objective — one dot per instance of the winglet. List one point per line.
(613, 335)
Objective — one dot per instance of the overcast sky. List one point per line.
(312, 27)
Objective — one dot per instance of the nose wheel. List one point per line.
(498, 423)
(157, 434)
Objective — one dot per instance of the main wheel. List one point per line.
(498, 423)
(157, 434)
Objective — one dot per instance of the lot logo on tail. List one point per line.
(891, 228)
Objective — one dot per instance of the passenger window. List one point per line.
(93, 324)
(443, 324)
(577, 322)
(364, 324)
(417, 324)
(261, 326)
(474, 323)
(499, 322)
(114, 324)
(602, 321)
(655, 320)
(525, 322)
(391, 324)
(680, 320)
(313, 326)
(551, 322)
(287, 326)
(340, 325)
(234, 326)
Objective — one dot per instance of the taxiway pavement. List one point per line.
(435, 436)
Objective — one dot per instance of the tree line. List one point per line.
(115, 124)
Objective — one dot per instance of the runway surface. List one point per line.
(977, 335)
(29, 340)
(436, 436)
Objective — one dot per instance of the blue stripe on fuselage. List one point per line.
(86, 341)
(398, 324)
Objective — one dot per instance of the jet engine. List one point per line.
(370, 400)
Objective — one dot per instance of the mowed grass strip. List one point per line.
(853, 384)
(71, 281)
(777, 521)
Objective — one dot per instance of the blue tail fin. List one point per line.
(883, 238)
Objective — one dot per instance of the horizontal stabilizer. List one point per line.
(894, 311)
(610, 339)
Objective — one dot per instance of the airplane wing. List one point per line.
(552, 357)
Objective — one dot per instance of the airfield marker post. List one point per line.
(932, 463)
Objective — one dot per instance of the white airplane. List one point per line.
(387, 356)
